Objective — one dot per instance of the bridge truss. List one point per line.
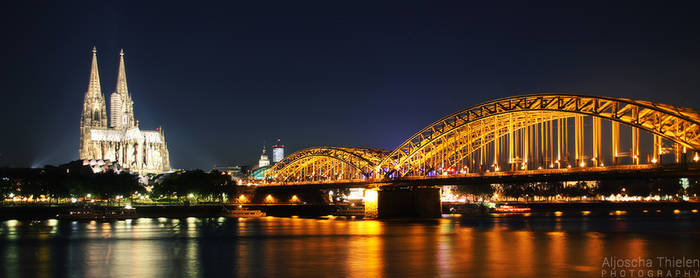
(519, 133)
(542, 131)
(327, 163)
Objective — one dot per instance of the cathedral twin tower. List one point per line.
(121, 144)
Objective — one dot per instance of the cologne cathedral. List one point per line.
(121, 145)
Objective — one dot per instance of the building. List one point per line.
(122, 142)
(277, 152)
(259, 173)
(264, 161)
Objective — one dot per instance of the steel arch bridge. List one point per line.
(327, 163)
(528, 132)
(491, 130)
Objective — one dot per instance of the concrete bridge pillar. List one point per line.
(403, 202)
(371, 205)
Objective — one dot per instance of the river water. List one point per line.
(535, 246)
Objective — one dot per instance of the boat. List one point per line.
(240, 212)
(246, 213)
(510, 209)
(98, 214)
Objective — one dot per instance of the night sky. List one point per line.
(224, 80)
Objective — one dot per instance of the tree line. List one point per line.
(66, 181)
(73, 180)
(211, 186)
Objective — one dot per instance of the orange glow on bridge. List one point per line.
(520, 135)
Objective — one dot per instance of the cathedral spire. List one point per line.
(122, 105)
(94, 85)
(94, 109)
(121, 77)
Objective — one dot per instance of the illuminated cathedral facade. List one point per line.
(121, 144)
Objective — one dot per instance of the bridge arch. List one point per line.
(327, 163)
(471, 130)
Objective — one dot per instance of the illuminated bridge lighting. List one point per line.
(531, 134)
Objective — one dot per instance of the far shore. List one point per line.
(40, 212)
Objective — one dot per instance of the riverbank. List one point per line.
(28, 212)
(215, 210)
(582, 208)
(621, 206)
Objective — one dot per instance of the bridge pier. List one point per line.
(403, 202)
(290, 195)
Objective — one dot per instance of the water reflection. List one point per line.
(365, 257)
(297, 247)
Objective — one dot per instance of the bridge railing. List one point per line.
(482, 174)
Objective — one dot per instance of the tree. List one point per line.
(479, 189)
(609, 187)
(694, 186)
(638, 187)
(667, 186)
(197, 182)
(513, 190)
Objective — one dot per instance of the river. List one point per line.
(535, 246)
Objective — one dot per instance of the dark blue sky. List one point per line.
(223, 80)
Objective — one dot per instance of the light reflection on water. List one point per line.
(297, 247)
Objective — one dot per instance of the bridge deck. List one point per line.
(566, 174)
